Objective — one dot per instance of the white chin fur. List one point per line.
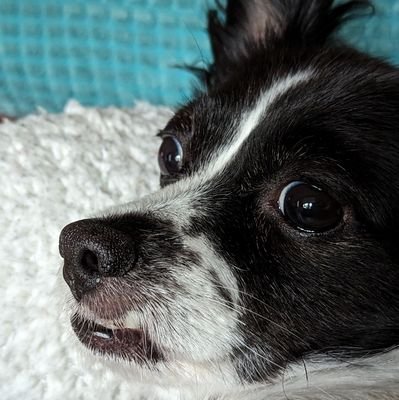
(174, 373)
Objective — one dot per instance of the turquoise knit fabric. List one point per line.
(113, 52)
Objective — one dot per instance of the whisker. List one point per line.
(245, 309)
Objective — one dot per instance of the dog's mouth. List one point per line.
(125, 343)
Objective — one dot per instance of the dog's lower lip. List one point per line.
(126, 343)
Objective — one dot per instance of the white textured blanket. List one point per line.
(55, 169)
(58, 168)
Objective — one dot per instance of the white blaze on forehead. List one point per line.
(251, 119)
(176, 201)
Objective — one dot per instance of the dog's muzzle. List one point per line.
(91, 251)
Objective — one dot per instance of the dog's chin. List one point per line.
(126, 347)
(111, 341)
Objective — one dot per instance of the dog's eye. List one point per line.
(170, 156)
(309, 208)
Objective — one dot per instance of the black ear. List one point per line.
(252, 24)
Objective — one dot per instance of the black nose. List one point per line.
(91, 251)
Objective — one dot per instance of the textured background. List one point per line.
(113, 52)
(55, 169)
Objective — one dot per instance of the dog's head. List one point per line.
(275, 233)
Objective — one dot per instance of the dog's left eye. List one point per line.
(309, 208)
(170, 156)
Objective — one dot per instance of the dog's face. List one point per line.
(274, 235)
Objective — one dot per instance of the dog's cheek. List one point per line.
(200, 321)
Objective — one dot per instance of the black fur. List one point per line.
(337, 291)
(302, 293)
(259, 26)
(316, 292)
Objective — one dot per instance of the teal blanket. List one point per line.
(119, 51)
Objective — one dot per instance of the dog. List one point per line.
(267, 265)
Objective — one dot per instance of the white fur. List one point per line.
(175, 201)
(251, 119)
(195, 329)
(374, 378)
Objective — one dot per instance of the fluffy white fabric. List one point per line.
(58, 168)
(55, 169)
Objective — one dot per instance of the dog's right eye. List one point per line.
(309, 208)
(170, 156)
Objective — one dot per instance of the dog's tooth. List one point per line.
(102, 335)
